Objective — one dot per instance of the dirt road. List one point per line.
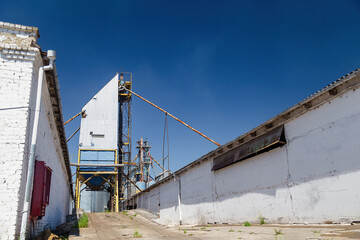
(131, 224)
(124, 225)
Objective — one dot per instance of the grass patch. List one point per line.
(125, 213)
(135, 214)
(64, 237)
(136, 234)
(131, 218)
(247, 224)
(261, 219)
(278, 231)
(231, 230)
(203, 228)
(83, 221)
(185, 231)
(239, 231)
(316, 231)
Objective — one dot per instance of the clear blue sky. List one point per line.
(224, 67)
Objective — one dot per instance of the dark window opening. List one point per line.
(266, 142)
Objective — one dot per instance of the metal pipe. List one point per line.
(157, 162)
(141, 156)
(73, 117)
(31, 164)
(73, 134)
(187, 125)
(95, 165)
(131, 181)
(179, 198)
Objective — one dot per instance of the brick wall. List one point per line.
(19, 64)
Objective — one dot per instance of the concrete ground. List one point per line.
(132, 224)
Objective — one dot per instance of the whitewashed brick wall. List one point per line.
(19, 64)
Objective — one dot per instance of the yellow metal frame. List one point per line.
(80, 179)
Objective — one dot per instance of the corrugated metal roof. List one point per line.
(334, 83)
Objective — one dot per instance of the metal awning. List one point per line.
(263, 143)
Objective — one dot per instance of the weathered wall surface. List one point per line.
(99, 127)
(48, 150)
(17, 74)
(93, 201)
(99, 131)
(19, 63)
(311, 179)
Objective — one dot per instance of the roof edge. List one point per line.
(334, 89)
(58, 114)
(19, 27)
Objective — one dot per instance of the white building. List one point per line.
(98, 132)
(302, 166)
(20, 59)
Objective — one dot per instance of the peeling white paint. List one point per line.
(311, 179)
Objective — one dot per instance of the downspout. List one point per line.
(31, 164)
(179, 198)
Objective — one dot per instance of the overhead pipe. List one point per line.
(95, 165)
(177, 179)
(31, 164)
(185, 124)
(83, 114)
(73, 134)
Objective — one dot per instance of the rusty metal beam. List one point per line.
(73, 134)
(82, 112)
(157, 162)
(131, 181)
(185, 124)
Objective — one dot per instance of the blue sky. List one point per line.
(224, 67)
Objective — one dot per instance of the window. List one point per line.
(266, 142)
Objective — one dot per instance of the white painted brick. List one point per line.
(18, 82)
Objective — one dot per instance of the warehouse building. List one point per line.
(35, 176)
(302, 166)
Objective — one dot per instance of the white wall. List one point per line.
(101, 118)
(48, 150)
(19, 65)
(16, 76)
(311, 179)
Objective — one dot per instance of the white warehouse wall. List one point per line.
(311, 179)
(48, 149)
(19, 64)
